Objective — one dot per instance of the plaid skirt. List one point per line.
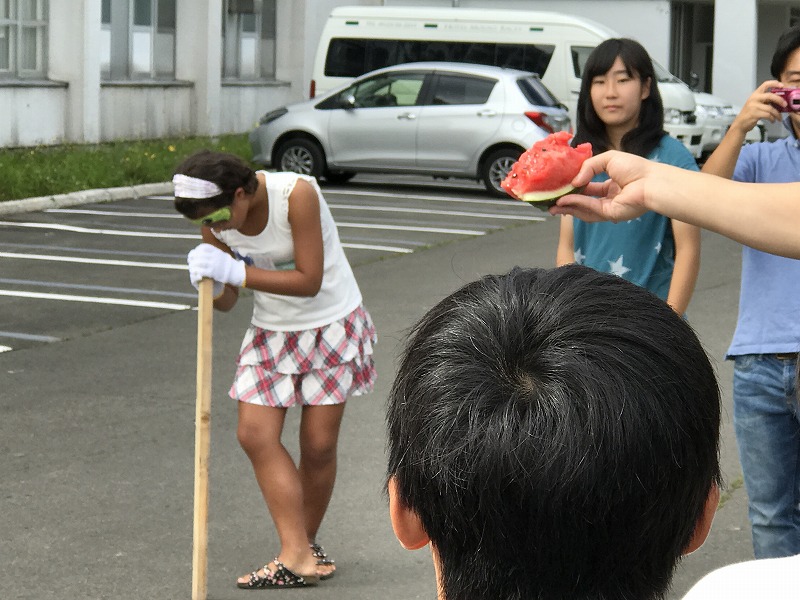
(318, 366)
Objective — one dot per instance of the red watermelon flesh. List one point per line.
(545, 172)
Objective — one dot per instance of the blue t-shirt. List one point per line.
(769, 301)
(642, 250)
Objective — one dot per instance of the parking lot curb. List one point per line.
(11, 207)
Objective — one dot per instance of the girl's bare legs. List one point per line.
(319, 435)
(283, 485)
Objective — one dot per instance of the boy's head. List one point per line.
(553, 434)
(787, 44)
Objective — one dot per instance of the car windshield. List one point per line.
(664, 76)
(536, 92)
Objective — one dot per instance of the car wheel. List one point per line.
(339, 176)
(301, 155)
(495, 168)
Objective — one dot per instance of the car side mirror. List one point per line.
(349, 102)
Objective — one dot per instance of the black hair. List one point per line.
(787, 43)
(590, 128)
(556, 431)
(228, 171)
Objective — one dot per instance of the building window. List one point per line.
(23, 38)
(138, 39)
(248, 39)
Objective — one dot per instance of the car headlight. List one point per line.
(272, 115)
(713, 111)
(672, 116)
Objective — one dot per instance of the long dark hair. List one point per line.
(645, 136)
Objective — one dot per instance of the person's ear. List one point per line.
(703, 525)
(646, 88)
(405, 522)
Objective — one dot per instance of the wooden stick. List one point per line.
(202, 439)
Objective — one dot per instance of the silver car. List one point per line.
(439, 119)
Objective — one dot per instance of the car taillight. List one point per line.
(541, 120)
(312, 89)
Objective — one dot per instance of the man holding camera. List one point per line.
(767, 338)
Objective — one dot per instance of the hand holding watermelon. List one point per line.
(545, 172)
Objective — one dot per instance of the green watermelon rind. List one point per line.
(546, 199)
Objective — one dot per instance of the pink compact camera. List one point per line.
(792, 97)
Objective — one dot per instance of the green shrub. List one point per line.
(49, 170)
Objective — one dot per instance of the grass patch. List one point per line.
(49, 170)
(727, 493)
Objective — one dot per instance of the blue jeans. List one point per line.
(766, 416)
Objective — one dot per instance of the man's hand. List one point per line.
(762, 104)
(621, 198)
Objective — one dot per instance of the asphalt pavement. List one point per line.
(97, 435)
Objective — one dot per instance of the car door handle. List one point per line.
(487, 113)
(407, 116)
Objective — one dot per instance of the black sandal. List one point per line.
(323, 560)
(282, 577)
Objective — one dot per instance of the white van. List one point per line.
(359, 39)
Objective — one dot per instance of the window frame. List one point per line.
(122, 30)
(14, 25)
(261, 32)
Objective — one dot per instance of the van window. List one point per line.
(462, 89)
(536, 93)
(580, 55)
(351, 57)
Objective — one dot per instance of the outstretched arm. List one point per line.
(765, 216)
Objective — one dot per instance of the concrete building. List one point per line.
(83, 71)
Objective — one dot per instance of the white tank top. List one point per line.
(273, 248)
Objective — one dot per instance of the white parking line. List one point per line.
(113, 213)
(96, 300)
(94, 288)
(95, 261)
(73, 229)
(412, 228)
(428, 211)
(108, 213)
(510, 203)
(500, 203)
(167, 236)
(396, 249)
(29, 336)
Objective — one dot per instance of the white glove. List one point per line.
(209, 261)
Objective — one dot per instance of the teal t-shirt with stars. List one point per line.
(642, 250)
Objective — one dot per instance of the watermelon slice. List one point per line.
(545, 171)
